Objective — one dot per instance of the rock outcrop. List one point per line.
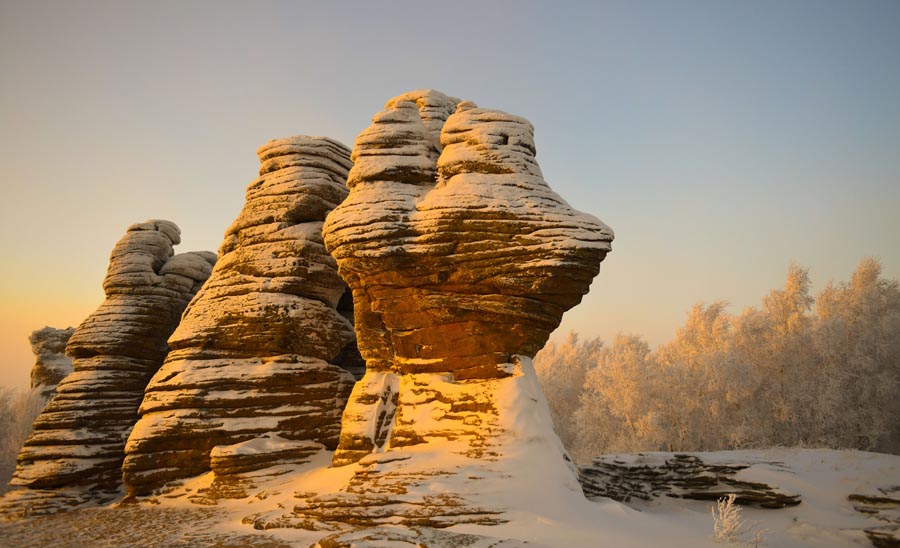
(461, 262)
(645, 476)
(251, 356)
(883, 509)
(52, 364)
(416, 537)
(459, 256)
(78, 440)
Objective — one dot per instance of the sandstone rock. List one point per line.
(52, 364)
(251, 355)
(238, 469)
(882, 507)
(646, 476)
(458, 254)
(78, 440)
(415, 537)
(465, 452)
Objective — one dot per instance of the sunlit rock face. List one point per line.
(79, 438)
(459, 256)
(251, 356)
(51, 363)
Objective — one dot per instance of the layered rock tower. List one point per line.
(459, 256)
(78, 440)
(249, 370)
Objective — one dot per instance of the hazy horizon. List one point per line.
(720, 142)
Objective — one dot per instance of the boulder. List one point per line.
(78, 441)
(251, 357)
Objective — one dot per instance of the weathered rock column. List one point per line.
(459, 255)
(250, 359)
(79, 438)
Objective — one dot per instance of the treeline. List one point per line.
(19, 407)
(796, 371)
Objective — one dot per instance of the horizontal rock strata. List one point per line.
(239, 468)
(251, 356)
(51, 365)
(416, 537)
(79, 439)
(647, 476)
(458, 254)
(462, 452)
(883, 509)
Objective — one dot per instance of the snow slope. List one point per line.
(184, 516)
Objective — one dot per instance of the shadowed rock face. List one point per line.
(458, 254)
(79, 439)
(52, 364)
(251, 355)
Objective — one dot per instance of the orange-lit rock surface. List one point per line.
(251, 356)
(459, 255)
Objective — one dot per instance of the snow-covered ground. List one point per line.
(183, 517)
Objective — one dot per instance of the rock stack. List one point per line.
(51, 364)
(250, 358)
(78, 441)
(459, 256)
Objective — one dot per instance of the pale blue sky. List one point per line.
(720, 139)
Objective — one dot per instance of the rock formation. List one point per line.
(250, 358)
(461, 262)
(882, 507)
(79, 439)
(458, 254)
(52, 364)
(645, 476)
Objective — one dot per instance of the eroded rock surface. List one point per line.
(251, 356)
(883, 509)
(51, 364)
(645, 476)
(458, 254)
(76, 450)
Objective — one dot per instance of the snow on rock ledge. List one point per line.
(486, 453)
(251, 355)
(78, 440)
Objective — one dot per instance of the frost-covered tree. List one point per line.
(618, 407)
(19, 407)
(786, 373)
(561, 368)
(857, 339)
(775, 345)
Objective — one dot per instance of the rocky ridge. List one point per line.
(76, 449)
(250, 358)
